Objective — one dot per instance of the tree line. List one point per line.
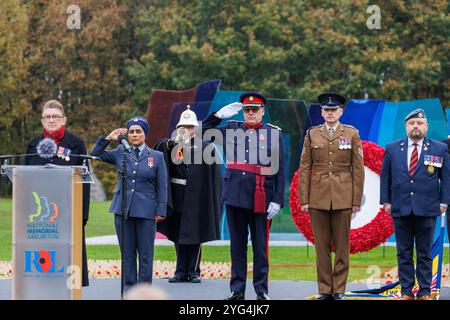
(104, 71)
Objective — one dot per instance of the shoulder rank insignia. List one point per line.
(349, 126)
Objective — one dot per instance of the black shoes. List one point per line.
(262, 296)
(324, 296)
(194, 279)
(176, 279)
(190, 279)
(236, 296)
(338, 296)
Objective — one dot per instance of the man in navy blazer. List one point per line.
(415, 189)
(146, 188)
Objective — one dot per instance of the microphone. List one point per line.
(121, 138)
(46, 148)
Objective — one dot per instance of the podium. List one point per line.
(47, 231)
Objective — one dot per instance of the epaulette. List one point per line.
(349, 126)
(274, 126)
(313, 127)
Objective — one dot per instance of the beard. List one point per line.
(416, 134)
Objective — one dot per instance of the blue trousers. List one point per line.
(239, 221)
(139, 240)
(419, 230)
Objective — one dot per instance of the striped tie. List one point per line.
(414, 160)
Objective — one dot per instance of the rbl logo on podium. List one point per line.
(41, 261)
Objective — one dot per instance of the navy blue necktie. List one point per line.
(136, 151)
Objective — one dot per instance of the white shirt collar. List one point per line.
(419, 143)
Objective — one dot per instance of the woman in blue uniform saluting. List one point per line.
(146, 197)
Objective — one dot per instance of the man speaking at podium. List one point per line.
(53, 121)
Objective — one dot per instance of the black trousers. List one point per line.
(419, 230)
(188, 260)
(240, 220)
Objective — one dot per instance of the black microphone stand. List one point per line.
(123, 175)
(3, 161)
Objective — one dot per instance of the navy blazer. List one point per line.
(422, 193)
(146, 180)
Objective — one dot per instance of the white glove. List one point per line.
(229, 110)
(273, 210)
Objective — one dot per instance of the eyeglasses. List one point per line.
(253, 109)
(52, 117)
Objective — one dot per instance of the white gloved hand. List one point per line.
(229, 110)
(273, 210)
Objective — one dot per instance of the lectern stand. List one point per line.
(47, 231)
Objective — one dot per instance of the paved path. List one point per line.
(107, 289)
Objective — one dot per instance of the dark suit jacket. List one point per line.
(77, 146)
(422, 193)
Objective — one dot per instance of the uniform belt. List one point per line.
(333, 168)
(259, 201)
(262, 171)
(178, 181)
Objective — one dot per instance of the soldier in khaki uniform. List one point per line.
(331, 187)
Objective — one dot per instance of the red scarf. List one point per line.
(254, 126)
(56, 136)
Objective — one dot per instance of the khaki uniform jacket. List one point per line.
(331, 173)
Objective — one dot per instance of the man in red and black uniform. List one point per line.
(252, 188)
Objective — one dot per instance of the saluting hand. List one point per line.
(116, 133)
(229, 110)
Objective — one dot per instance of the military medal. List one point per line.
(426, 160)
(430, 169)
(150, 161)
(344, 143)
(64, 153)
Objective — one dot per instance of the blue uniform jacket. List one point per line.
(422, 193)
(146, 181)
(238, 187)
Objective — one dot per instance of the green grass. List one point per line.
(297, 263)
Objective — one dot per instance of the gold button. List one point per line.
(331, 142)
(331, 162)
(331, 152)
